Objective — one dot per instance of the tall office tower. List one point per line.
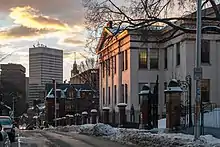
(13, 86)
(45, 64)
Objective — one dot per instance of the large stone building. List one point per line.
(13, 85)
(128, 62)
(45, 64)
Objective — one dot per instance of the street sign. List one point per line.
(57, 106)
(198, 73)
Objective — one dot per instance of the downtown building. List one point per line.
(13, 84)
(45, 64)
(127, 63)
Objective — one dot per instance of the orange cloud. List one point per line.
(31, 18)
(18, 32)
(73, 41)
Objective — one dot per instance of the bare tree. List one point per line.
(143, 14)
(87, 70)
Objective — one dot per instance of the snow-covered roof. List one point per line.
(94, 111)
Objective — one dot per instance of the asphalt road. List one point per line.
(38, 138)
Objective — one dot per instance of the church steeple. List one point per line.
(74, 71)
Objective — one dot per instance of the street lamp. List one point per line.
(145, 107)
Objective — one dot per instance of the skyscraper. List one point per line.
(45, 64)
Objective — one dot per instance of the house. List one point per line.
(128, 61)
(71, 99)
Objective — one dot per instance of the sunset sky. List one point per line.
(55, 23)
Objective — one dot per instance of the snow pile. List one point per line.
(98, 130)
(141, 137)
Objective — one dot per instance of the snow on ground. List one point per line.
(140, 137)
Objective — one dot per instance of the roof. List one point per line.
(117, 31)
(64, 87)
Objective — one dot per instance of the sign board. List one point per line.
(198, 73)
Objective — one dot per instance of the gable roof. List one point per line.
(108, 32)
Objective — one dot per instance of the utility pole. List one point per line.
(55, 102)
(198, 70)
(13, 107)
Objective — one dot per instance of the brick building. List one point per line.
(71, 99)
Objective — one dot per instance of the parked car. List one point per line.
(4, 139)
(8, 127)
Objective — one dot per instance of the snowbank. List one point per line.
(141, 137)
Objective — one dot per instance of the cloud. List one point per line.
(30, 18)
(73, 41)
(71, 11)
(18, 32)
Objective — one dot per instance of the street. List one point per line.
(39, 138)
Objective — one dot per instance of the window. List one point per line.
(143, 59)
(123, 61)
(123, 93)
(165, 58)
(165, 87)
(115, 64)
(115, 94)
(103, 96)
(109, 95)
(205, 90)
(154, 58)
(103, 69)
(126, 93)
(108, 67)
(126, 59)
(140, 86)
(178, 54)
(205, 51)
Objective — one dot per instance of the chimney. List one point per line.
(109, 24)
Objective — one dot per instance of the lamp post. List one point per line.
(145, 107)
(173, 104)
(55, 102)
(198, 68)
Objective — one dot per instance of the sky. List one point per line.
(55, 23)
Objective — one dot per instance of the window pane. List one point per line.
(178, 53)
(109, 95)
(205, 90)
(154, 58)
(123, 61)
(122, 90)
(165, 58)
(143, 59)
(103, 96)
(115, 93)
(205, 51)
(126, 93)
(126, 59)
